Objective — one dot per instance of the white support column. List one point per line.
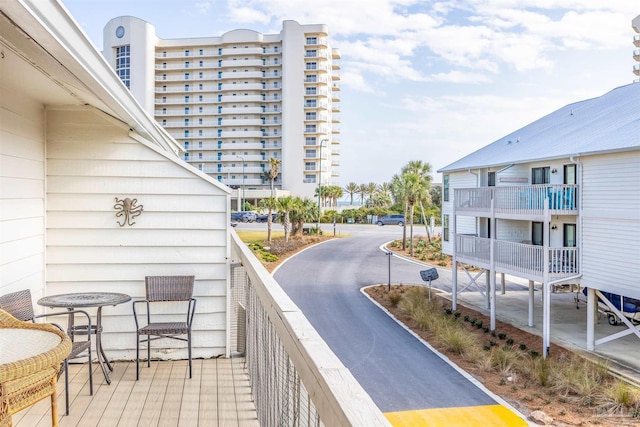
(487, 280)
(591, 319)
(546, 322)
(546, 306)
(492, 289)
(504, 284)
(454, 267)
(531, 301)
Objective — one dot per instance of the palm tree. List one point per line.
(286, 205)
(385, 189)
(270, 204)
(273, 175)
(372, 187)
(303, 211)
(351, 189)
(333, 193)
(417, 183)
(399, 191)
(362, 190)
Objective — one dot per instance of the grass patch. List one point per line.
(258, 236)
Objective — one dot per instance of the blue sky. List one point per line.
(424, 80)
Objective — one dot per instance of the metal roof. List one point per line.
(608, 123)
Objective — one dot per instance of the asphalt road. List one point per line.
(395, 368)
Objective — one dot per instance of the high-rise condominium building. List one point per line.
(636, 53)
(236, 101)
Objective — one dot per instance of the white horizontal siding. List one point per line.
(22, 157)
(463, 224)
(183, 229)
(513, 231)
(611, 223)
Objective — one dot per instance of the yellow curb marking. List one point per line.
(472, 416)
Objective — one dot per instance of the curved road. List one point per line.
(396, 369)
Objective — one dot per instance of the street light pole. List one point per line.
(242, 198)
(320, 185)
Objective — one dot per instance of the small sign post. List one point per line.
(428, 276)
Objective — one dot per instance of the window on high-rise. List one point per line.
(199, 109)
(186, 76)
(310, 128)
(200, 75)
(186, 122)
(201, 64)
(311, 91)
(186, 110)
(201, 52)
(186, 88)
(123, 64)
(186, 52)
(186, 64)
(312, 65)
(312, 40)
(311, 53)
(186, 99)
(310, 116)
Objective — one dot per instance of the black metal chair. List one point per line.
(165, 289)
(20, 306)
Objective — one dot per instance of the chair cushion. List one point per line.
(164, 328)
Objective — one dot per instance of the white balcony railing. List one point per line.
(518, 199)
(296, 380)
(520, 259)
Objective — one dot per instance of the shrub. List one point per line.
(394, 298)
(268, 256)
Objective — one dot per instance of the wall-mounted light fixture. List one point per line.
(554, 170)
(554, 227)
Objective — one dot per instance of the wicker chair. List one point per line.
(19, 305)
(26, 381)
(164, 289)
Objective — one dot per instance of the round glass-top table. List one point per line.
(84, 300)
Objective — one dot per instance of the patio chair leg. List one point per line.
(189, 344)
(149, 351)
(66, 387)
(137, 357)
(90, 373)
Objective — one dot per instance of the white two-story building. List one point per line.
(556, 202)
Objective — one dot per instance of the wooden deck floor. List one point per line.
(217, 395)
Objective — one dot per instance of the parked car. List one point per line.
(397, 219)
(264, 217)
(246, 216)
